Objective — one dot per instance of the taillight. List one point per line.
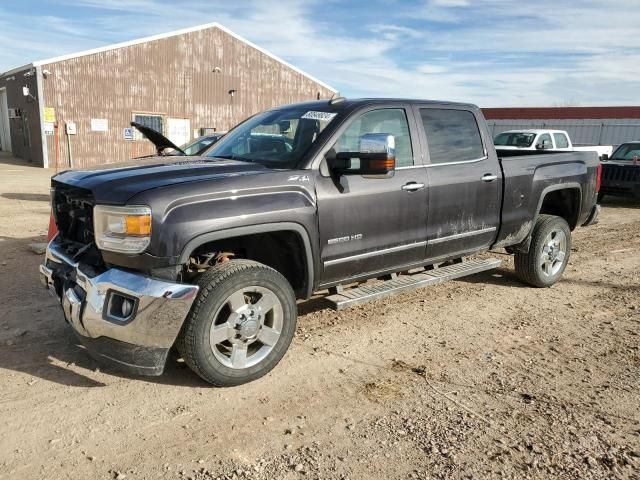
(53, 229)
(598, 177)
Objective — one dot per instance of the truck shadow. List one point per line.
(500, 276)
(33, 337)
(31, 197)
(35, 340)
(55, 358)
(61, 358)
(313, 305)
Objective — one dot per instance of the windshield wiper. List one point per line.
(234, 157)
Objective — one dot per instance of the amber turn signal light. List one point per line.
(138, 224)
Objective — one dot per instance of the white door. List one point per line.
(5, 136)
(178, 130)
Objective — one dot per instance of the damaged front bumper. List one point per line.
(122, 318)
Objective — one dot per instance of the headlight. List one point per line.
(122, 229)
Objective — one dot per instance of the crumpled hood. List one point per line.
(117, 183)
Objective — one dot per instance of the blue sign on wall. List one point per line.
(128, 133)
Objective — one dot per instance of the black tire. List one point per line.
(216, 286)
(600, 197)
(529, 266)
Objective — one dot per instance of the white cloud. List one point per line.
(394, 33)
(450, 3)
(431, 69)
(491, 52)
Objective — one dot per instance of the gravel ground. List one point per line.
(478, 378)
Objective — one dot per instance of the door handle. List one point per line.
(412, 186)
(489, 177)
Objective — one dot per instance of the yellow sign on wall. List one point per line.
(49, 114)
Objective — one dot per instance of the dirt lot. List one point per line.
(477, 378)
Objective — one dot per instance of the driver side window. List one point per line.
(392, 121)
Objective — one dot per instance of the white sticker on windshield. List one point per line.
(322, 116)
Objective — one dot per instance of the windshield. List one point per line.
(515, 139)
(626, 151)
(277, 138)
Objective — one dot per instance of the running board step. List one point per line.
(366, 293)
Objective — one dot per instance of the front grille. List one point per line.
(621, 191)
(621, 173)
(73, 213)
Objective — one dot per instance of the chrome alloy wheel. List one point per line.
(554, 251)
(246, 327)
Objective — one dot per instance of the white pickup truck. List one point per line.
(551, 140)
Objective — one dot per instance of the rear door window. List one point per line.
(452, 135)
(561, 140)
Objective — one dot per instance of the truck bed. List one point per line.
(528, 178)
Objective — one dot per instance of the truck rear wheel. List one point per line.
(241, 324)
(548, 254)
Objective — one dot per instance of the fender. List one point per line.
(526, 243)
(251, 230)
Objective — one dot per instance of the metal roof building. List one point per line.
(77, 108)
(585, 125)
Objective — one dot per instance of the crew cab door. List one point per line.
(373, 224)
(464, 181)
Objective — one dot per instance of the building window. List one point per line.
(151, 121)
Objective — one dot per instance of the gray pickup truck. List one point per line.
(355, 198)
(621, 172)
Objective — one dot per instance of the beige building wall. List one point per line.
(186, 76)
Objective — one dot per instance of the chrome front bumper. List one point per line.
(159, 312)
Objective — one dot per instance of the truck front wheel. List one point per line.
(241, 324)
(548, 254)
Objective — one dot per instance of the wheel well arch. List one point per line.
(562, 201)
(284, 247)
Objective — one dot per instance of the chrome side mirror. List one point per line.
(376, 155)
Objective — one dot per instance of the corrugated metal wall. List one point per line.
(561, 113)
(581, 131)
(26, 142)
(173, 77)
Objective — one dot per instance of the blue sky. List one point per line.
(490, 52)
